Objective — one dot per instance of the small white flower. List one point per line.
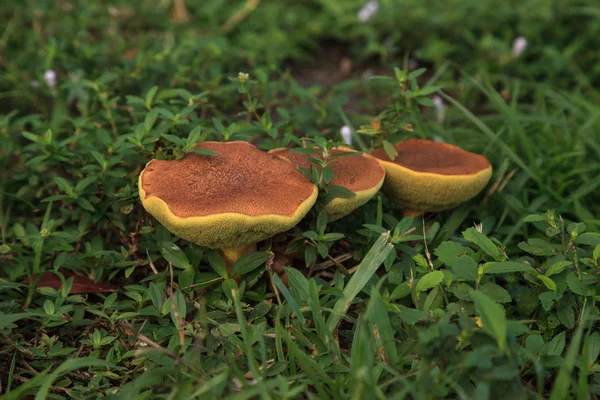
(440, 108)
(368, 11)
(478, 227)
(50, 78)
(367, 74)
(518, 47)
(346, 133)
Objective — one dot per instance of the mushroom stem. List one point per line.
(412, 213)
(232, 254)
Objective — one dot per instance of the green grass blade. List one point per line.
(361, 277)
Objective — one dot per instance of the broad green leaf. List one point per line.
(340, 191)
(556, 346)
(549, 283)
(249, 262)
(496, 292)
(216, 262)
(173, 254)
(485, 243)
(401, 291)
(429, 280)
(411, 315)
(449, 251)
(538, 247)
(557, 268)
(505, 267)
(493, 317)
(464, 267)
(588, 238)
(596, 253)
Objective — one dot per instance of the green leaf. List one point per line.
(535, 218)
(557, 267)
(340, 191)
(549, 283)
(217, 264)
(496, 292)
(505, 267)
(556, 346)
(596, 254)
(538, 247)
(327, 173)
(449, 251)
(411, 315)
(173, 254)
(290, 299)
(156, 295)
(378, 315)
(576, 285)
(322, 222)
(186, 278)
(390, 150)
(298, 283)
(150, 119)
(593, 347)
(429, 280)
(548, 299)
(249, 262)
(464, 267)
(6, 320)
(360, 278)
(485, 243)
(562, 384)
(493, 317)
(203, 152)
(588, 238)
(401, 291)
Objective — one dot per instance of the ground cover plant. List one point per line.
(496, 298)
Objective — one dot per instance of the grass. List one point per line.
(376, 305)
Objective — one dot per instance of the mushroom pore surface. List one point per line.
(434, 157)
(241, 179)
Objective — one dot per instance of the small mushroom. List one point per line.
(361, 174)
(228, 201)
(429, 176)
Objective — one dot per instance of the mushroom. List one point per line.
(361, 174)
(428, 176)
(229, 201)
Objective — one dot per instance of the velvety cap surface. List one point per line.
(241, 179)
(434, 157)
(355, 173)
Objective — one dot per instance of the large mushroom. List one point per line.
(228, 201)
(361, 174)
(427, 176)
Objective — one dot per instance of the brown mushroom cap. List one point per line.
(361, 174)
(432, 176)
(241, 196)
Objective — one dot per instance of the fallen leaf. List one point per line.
(81, 284)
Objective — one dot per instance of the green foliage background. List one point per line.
(504, 310)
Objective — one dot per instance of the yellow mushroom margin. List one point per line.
(340, 207)
(429, 192)
(225, 230)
